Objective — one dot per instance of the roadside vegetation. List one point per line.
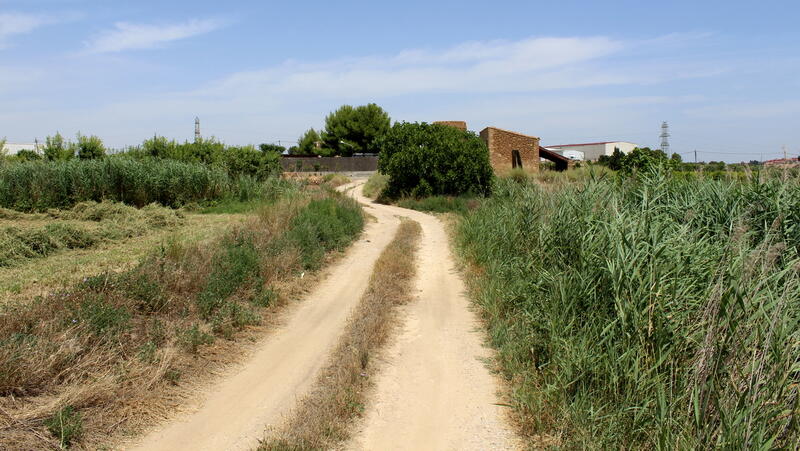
(648, 311)
(324, 417)
(102, 355)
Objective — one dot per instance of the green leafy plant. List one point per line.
(89, 147)
(431, 159)
(66, 425)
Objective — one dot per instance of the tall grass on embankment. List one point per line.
(83, 363)
(645, 312)
(39, 185)
(323, 418)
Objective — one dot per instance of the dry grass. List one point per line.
(323, 418)
(126, 350)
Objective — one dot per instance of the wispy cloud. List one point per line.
(128, 36)
(20, 23)
(527, 65)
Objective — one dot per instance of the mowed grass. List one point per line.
(105, 352)
(644, 313)
(26, 279)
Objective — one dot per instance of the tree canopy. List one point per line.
(350, 130)
(427, 159)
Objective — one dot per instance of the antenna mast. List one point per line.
(665, 137)
(196, 129)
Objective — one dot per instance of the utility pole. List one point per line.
(695, 155)
(665, 138)
(784, 154)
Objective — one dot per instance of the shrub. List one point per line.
(275, 148)
(247, 161)
(66, 425)
(28, 155)
(56, 148)
(90, 147)
(375, 185)
(323, 225)
(424, 159)
(236, 265)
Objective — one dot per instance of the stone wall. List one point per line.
(502, 144)
(329, 164)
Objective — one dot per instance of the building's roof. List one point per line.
(509, 131)
(588, 144)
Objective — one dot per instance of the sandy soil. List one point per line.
(433, 391)
(235, 412)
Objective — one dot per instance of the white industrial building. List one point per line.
(591, 151)
(14, 148)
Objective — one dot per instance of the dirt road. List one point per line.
(235, 412)
(433, 392)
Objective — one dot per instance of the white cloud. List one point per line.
(18, 23)
(538, 85)
(127, 36)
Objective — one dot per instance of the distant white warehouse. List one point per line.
(591, 151)
(14, 148)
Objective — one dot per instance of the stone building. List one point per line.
(507, 150)
(511, 150)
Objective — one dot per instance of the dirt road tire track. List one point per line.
(235, 411)
(434, 391)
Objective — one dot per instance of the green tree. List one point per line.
(307, 144)
(89, 147)
(271, 148)
(613, 161)
(56, 148)
(28, 155)
(159, 147)
(427, 159)
(350, 130)
(645, 159)
(247, 160)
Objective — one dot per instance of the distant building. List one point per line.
(592, 151)
(511, 150)
(14, 148)
(783, 162)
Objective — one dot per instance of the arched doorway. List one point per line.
(516, 159)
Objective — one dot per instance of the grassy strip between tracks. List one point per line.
(323, 418)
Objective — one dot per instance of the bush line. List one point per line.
(323, 417)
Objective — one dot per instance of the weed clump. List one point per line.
(66, 425)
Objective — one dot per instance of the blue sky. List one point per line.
(726, 75)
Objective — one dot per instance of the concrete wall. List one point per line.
(13, 149)
(329, 164)
(502, 143)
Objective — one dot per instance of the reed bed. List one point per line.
(650, 312)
